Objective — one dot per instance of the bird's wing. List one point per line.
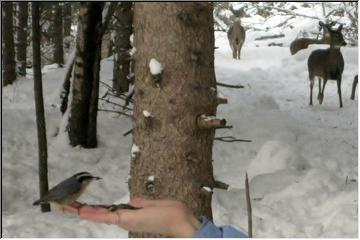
(61, 190)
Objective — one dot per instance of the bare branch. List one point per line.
(127, 132)
(221, 185)
(231, 139)
(229, 85)
(112, 111)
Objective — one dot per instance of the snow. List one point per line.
(155, 67)
(146, 114)
(208, 189)
(134, 149)
(302, 161)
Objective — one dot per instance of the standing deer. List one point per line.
(327, 63)
(303, 43)
(236, 34)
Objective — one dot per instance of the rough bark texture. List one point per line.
(85, 87)
(123, 30)
(39, 106)
(9, 74)
(22, 37)
(172, 148)
(58, 35)
(67, 18)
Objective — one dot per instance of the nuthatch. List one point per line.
(69, 190)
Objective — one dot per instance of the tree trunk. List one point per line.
(173, 146)
(39, 105)
(85, 87)
(9, 74)
(22, 37)
(67, 18)
(123, 30)
(58, 35)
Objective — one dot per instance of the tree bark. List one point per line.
(39, 106)
(172, 147)
(85, 87)
(9, 64)
(123, 30)
(58, 35)
(22, 37)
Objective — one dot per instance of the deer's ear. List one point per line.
(340, 27)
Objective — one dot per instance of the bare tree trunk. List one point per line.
(85, 87)
(58, 35)
(9, 74)
(67, 18)
(22, 37)
(39, 106)
(123, 30)
(175, 145)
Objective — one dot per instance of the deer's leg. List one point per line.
(339, 91)
(311, 89)
(322, 92)
(318, 97)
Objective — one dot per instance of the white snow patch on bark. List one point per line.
(134, 149)
(146, 113)
(155, 67)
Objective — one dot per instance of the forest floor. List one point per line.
(302, 161)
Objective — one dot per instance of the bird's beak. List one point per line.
(97, 178)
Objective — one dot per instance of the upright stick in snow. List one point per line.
(248, 206)
(39, 105)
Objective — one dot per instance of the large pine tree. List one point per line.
(173, 137)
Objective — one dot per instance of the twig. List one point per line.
(229, 85)
(221, 185)
(116, 104)
(121, 113)
(248, 206)
(231, 139)
(127, 132)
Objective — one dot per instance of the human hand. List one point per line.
(165, 217)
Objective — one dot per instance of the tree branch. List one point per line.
(231, 139)
(229, 85)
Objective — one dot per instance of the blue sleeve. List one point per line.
(209, 230)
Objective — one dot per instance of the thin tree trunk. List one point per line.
(58, 35)
(85, 87)
(123, 30)
(173, 147)
(9, 73)
(22, 37)
(67, 18)
(39, 106)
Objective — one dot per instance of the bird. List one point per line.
(69, 190)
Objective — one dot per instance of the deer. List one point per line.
(236, 34)
(303, 43)
(327, 64)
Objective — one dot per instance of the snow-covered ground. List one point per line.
(302, 161)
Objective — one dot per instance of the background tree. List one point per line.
(67, 18)
(39, 105)
(123, 30)
(9, 74)
(22, 33)
(85, 85)
(173, 135)
(58, 34)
